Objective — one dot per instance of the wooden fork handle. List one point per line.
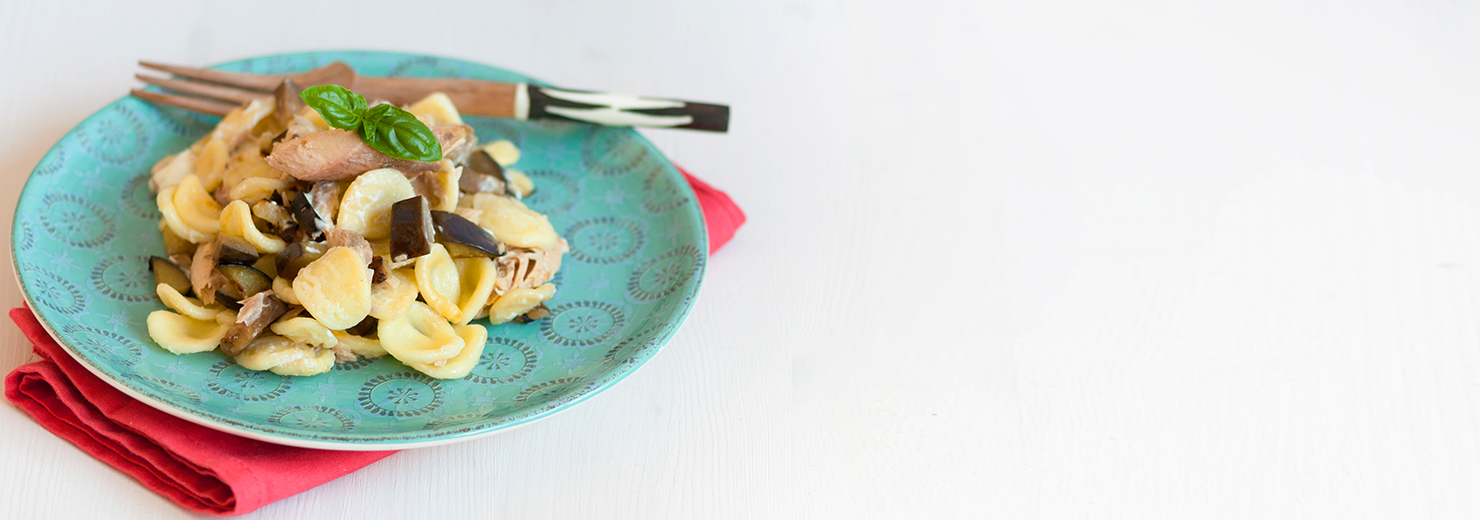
(523, 101)
(473, 97)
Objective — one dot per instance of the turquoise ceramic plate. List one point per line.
(86, 222)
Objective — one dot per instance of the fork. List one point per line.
(218, 92)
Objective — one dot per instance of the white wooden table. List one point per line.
(1004, 259)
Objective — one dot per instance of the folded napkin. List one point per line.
(201, 469)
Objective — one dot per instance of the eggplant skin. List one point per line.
(230, 251)
(255, 315)
(452, 227)
(303, 212)
(243, 281)
(412, 229)
(166, 272)
(296, 256)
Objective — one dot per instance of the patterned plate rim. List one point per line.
(377, 441)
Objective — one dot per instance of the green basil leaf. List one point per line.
(399, 134)
(340, 107)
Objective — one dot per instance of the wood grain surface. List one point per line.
(1048, 259)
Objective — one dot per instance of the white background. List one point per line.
(1014, 259)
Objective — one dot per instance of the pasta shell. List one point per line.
(236, 126)
(513, 223)
(503, 152)
(320, 362)
(236, 221)
(253, 189)
(185, 335)
(420, 335)
(270, 351)
(307, 331)
(283, 356)
(477, 276)
(187, 306)
(211, 164)
(438, 108)
(437, 279)
(474, 337)
(284, 290)
(517, 302)
(521, 183)
(171, 170)
(335, 289)
(166, 202)
(391, 298)
(196, 208)
(365, 207)
(360, 345)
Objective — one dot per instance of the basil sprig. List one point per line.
(384, 127)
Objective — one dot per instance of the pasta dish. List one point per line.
(291, 244)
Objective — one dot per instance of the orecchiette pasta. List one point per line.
(284, 290)
(305, 330)
(186, 335)
(437, 108)
(309, 264)
(236, 222)
(391, 298)
(477, 277)
(437, 279)
(335, 289)
(513, 223)
(518, 301)
(503, 152)
(185, 305)
(211, 164)
(474, 338)
(360, 345)
(196, 208)
(283, 356)
(420, 335)
(253, 189)
(365, 207)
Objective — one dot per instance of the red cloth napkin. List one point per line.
(201, 469)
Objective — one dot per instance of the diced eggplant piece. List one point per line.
(457, 250)
(308, 220)
(243, 281)
(366, 327)
(174, 245)
(378, 271)
(452, 228)
(166, 272)
(480, 162)
(412, 230)
(232, 251)
(534, 314)
(289, 234)
(474, 182)
(255, 315)
(296, 256)
(267, 264)
(227, 301)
